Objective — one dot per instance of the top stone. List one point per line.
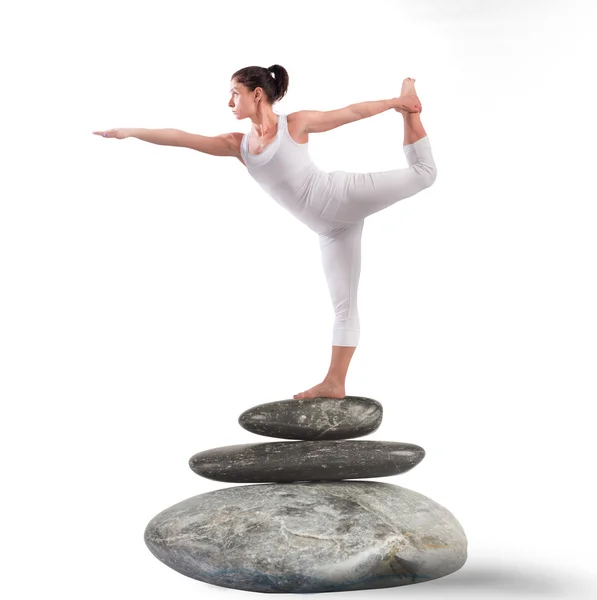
(314, 419)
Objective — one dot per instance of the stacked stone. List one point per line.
(307, 528)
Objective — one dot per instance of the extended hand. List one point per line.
(119, 134)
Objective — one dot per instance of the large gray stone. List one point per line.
(306, 461)
(314, 419)
(309, 537)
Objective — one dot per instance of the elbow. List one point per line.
(356, 114)
(178, 138)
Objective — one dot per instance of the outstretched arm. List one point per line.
(226, 144)
(317, 121)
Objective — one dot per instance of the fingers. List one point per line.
(417, 107)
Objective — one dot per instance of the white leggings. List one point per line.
(364, 194)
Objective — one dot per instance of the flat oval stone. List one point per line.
(309, 537)
(314, 419)
(306, 461)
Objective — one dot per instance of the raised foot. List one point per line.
(408, 87)
(409, 93)
(326, 389)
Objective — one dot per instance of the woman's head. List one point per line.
(252, 86)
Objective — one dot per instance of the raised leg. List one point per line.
(364, 194)
(413, 128)
(341, 259)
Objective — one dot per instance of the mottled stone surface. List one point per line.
(306, 461)
(315, 419)
(309, 537)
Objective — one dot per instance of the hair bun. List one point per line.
(273, 80)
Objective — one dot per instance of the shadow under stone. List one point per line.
(508, 581)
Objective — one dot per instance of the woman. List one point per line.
(334, 205)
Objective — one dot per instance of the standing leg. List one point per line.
(341, 259)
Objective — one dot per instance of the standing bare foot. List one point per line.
(326, 389)
(408, 89)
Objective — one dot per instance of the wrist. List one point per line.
(396, 103)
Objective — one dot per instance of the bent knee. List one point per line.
(428, 174)
(432, 176)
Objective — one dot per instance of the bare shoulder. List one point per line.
(235, 140)
(297, 126)
(296, 120)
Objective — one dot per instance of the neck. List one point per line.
(265, 123)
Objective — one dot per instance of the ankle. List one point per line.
(334, 379)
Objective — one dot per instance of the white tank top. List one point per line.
(287, 173)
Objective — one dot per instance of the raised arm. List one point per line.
(317, 121)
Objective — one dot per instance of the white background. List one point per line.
(150, 294)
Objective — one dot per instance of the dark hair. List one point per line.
(274, 86)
